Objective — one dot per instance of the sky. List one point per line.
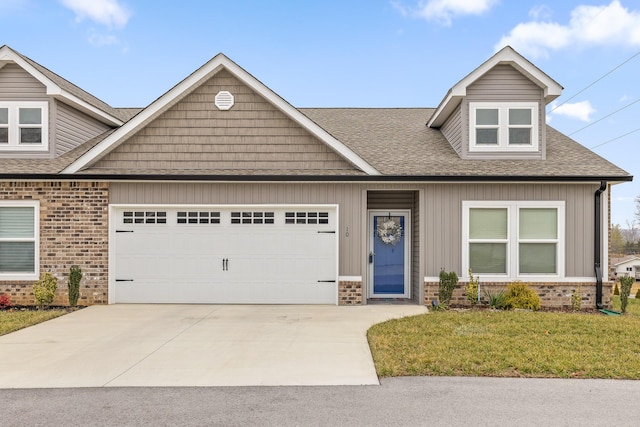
(354, 53)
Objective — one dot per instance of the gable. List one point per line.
(195, 137)
(504, 83)
(18, 85)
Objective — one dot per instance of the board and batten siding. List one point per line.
(253, 135)
(503, 83)
(441, 208)
(74, 128)
(452, 130)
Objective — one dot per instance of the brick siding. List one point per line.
(73, 231)
(552, 295)
(349, 293)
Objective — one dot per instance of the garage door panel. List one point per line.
(227, 262)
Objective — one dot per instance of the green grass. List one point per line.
(11, 321)
(509, 344)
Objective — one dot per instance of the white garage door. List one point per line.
(248, 254)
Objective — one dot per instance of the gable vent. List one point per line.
(224, 100)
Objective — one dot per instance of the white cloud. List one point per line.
(609, 25)
(579, 110)
(443, 11)
(107, 12)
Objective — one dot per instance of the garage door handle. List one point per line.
(124, 280)
(327, 232)
(326, 281)
(225, 264)
(124, 231)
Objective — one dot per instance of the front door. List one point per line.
(389, 254)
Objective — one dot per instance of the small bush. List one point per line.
(472, 289)
(496, 300)
(5, 300)
(638, 294)
(75, 275)
(616, 290)
(625, 289)
(519, 295)
(576, 299)
(44, 290)
(448, 282)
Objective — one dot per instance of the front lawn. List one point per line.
(510, 344)
(11, 321)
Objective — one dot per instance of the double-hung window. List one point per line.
(19, 235)
(511, 126)
(513, 239)
(24, 126)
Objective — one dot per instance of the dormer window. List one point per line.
(23, 126)
(503, 127)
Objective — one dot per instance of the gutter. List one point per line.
(598, 242)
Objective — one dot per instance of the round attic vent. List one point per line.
(224, 100)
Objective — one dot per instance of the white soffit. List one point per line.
(8, 55)
(214, 65)
(506, 55)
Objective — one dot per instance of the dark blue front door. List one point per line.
(389, 254)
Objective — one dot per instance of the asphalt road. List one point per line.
(414, 401)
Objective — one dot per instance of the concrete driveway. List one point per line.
(197, 345)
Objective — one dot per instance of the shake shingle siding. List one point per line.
(195, 137)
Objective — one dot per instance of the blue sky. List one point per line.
(353, 53)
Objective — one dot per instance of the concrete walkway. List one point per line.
(197, 345)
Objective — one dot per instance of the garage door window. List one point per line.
(252, 217)
(198, 217)
(144, 217)
(306, 218)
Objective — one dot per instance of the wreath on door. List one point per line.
(389, 231)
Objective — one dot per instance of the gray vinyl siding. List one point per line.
(74, 128)
(252, 136)
(452, 130)
(504, 83)
(18, 85)
(441, 209)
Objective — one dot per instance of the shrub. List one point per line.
(5, 300)
(448, 282)
(496, 300)
(616, 290)
(472, 289)
(44, 289)
(519, 295)
(75, 275)
(638, 294)
(576, 299)
(625, 290)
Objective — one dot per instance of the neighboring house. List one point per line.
(222, 192)
(625, 267)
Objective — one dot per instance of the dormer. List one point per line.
(43, 115)
(498, 110)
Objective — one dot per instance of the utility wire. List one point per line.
(602, 118)
(616, 138)
(602, 77)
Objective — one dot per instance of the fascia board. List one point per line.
(52, 89)
(218, 61)
(507, 55)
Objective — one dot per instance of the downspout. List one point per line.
(598, 243)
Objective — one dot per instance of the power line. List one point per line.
(602, 118)
(600, 78)
(616, 138)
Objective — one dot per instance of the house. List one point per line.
(625, 267)
(220, 191)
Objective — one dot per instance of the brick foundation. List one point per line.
(552, 295)
(74, 218)
(349, 292)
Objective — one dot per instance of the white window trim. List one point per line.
(513, 217)
(36, 239)
(503, 126)
(14, 126)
